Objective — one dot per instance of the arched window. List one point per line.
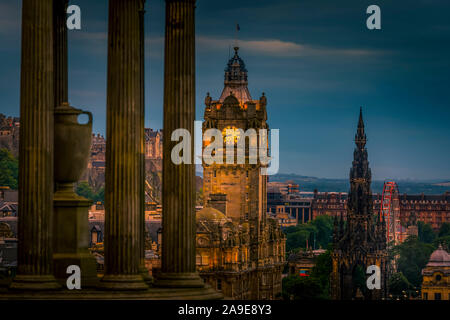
(5, 230)
(96, 235)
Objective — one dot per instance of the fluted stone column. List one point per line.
(123, 149)
(36, 149)
(142, 268)
(60, 51)
(179, 225)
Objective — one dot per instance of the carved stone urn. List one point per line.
(72, 146)
(70, 221)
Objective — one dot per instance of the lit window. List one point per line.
(94, 237)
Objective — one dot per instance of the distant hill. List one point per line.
(443, 184)
(342, 185)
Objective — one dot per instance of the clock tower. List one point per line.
(238, 189)
(240, 250)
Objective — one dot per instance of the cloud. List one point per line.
(276, 47)
(268, 47)
(10, 18)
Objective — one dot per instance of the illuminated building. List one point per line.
(240, 249)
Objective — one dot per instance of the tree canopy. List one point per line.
(314, 234)
(399, 283)
(444, 230)
(426, 233)
(413, 255)
(84, 189)
(9, 169)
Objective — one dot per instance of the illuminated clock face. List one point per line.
(235, 136)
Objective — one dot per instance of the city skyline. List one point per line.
(107, 208)
(317, 64)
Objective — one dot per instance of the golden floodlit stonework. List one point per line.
(240, 250)
(436, 276)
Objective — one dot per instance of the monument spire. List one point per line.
(360, 137)
(359, 242)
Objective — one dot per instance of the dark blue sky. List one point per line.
(315, 60)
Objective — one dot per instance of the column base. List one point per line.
(179, 280)
(34, 282)
(180, 294)
(144, 273)
(122, 282)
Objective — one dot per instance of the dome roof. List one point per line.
(439, 258)
(209, 213)
(236, 79)
(235, 63)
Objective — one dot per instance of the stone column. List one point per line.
(142, 268)
(60, 51)
(179, 225)
(36, 149)
(123, 149)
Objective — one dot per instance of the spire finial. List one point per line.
(360, 137)
(360, 122)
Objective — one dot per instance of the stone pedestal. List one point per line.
(71, 240)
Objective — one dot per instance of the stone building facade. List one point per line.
(302, 262)
(436, 276)
(432, 209)
(240, 248)
(95, 172)
(153, 144)
(9, 133)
